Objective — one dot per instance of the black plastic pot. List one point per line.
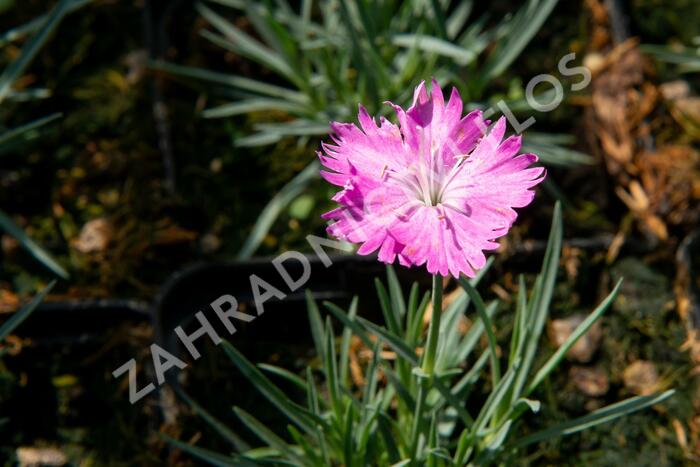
(60, 379)
(193, 289)
(74, 331)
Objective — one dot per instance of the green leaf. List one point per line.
(348, 448)
(211, 457)
(12, 229)
(330, 367)
(31, 48)
(682, 56)
(263, 138)
(411, 311)
(339, 314)
(458, 18)
(276, 205)
(35, 24)
(299, 127)
(418, 420)
(474, 334)
(402, 463)
(284, 374)
(464, 447)
(312, 394)
(452, 349)
(366, 434)
(439, 18)
(266, 456)
(432, 445)
(316, 323)
(538, 307)
(346, 340)
(231, 80)
(238, 41)
(580, 330)
(390, 317)
(523, 27)
(533, 405)
(398, 305)
(384, 426)
(414, 330)
(463, 386)
(361, 56)
(247, 106)
(429, 44)
(497, 441)
(238, 4)
(600, 416)
(19, 316)
(273, 33)
(309, 452)
(519, 328)
(401, 390)
(498, 394)
(395, 342)
(554, 155)
(218, 426)
(26, 130)
(370, 389)
(314, 407)
(28, 94)
(456, 403)
(450, 333)
(294, 412)
(488, 326)
(266, 435)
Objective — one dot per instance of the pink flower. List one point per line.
(437, 190)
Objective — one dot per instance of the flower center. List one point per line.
(429, 178)
(424, 184)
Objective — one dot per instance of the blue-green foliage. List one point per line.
(397, 416)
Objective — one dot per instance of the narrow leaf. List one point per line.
(12, 229)
(19, 316)
(32, 47)
(580, 330)
(266, 435)
(600, 416)
(27, 129)
(273, 209)
(316, 323)
(296, 413)
(218, 426)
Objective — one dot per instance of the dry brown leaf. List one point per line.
(641, 378)
(591, 381)
(95, 236)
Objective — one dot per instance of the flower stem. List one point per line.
(428, 368)
(434, 330)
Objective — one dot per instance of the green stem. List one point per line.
(434, 329)
(428, 367)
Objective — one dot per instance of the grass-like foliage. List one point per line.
(323, 58)
(403, 414)
(36, 34)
